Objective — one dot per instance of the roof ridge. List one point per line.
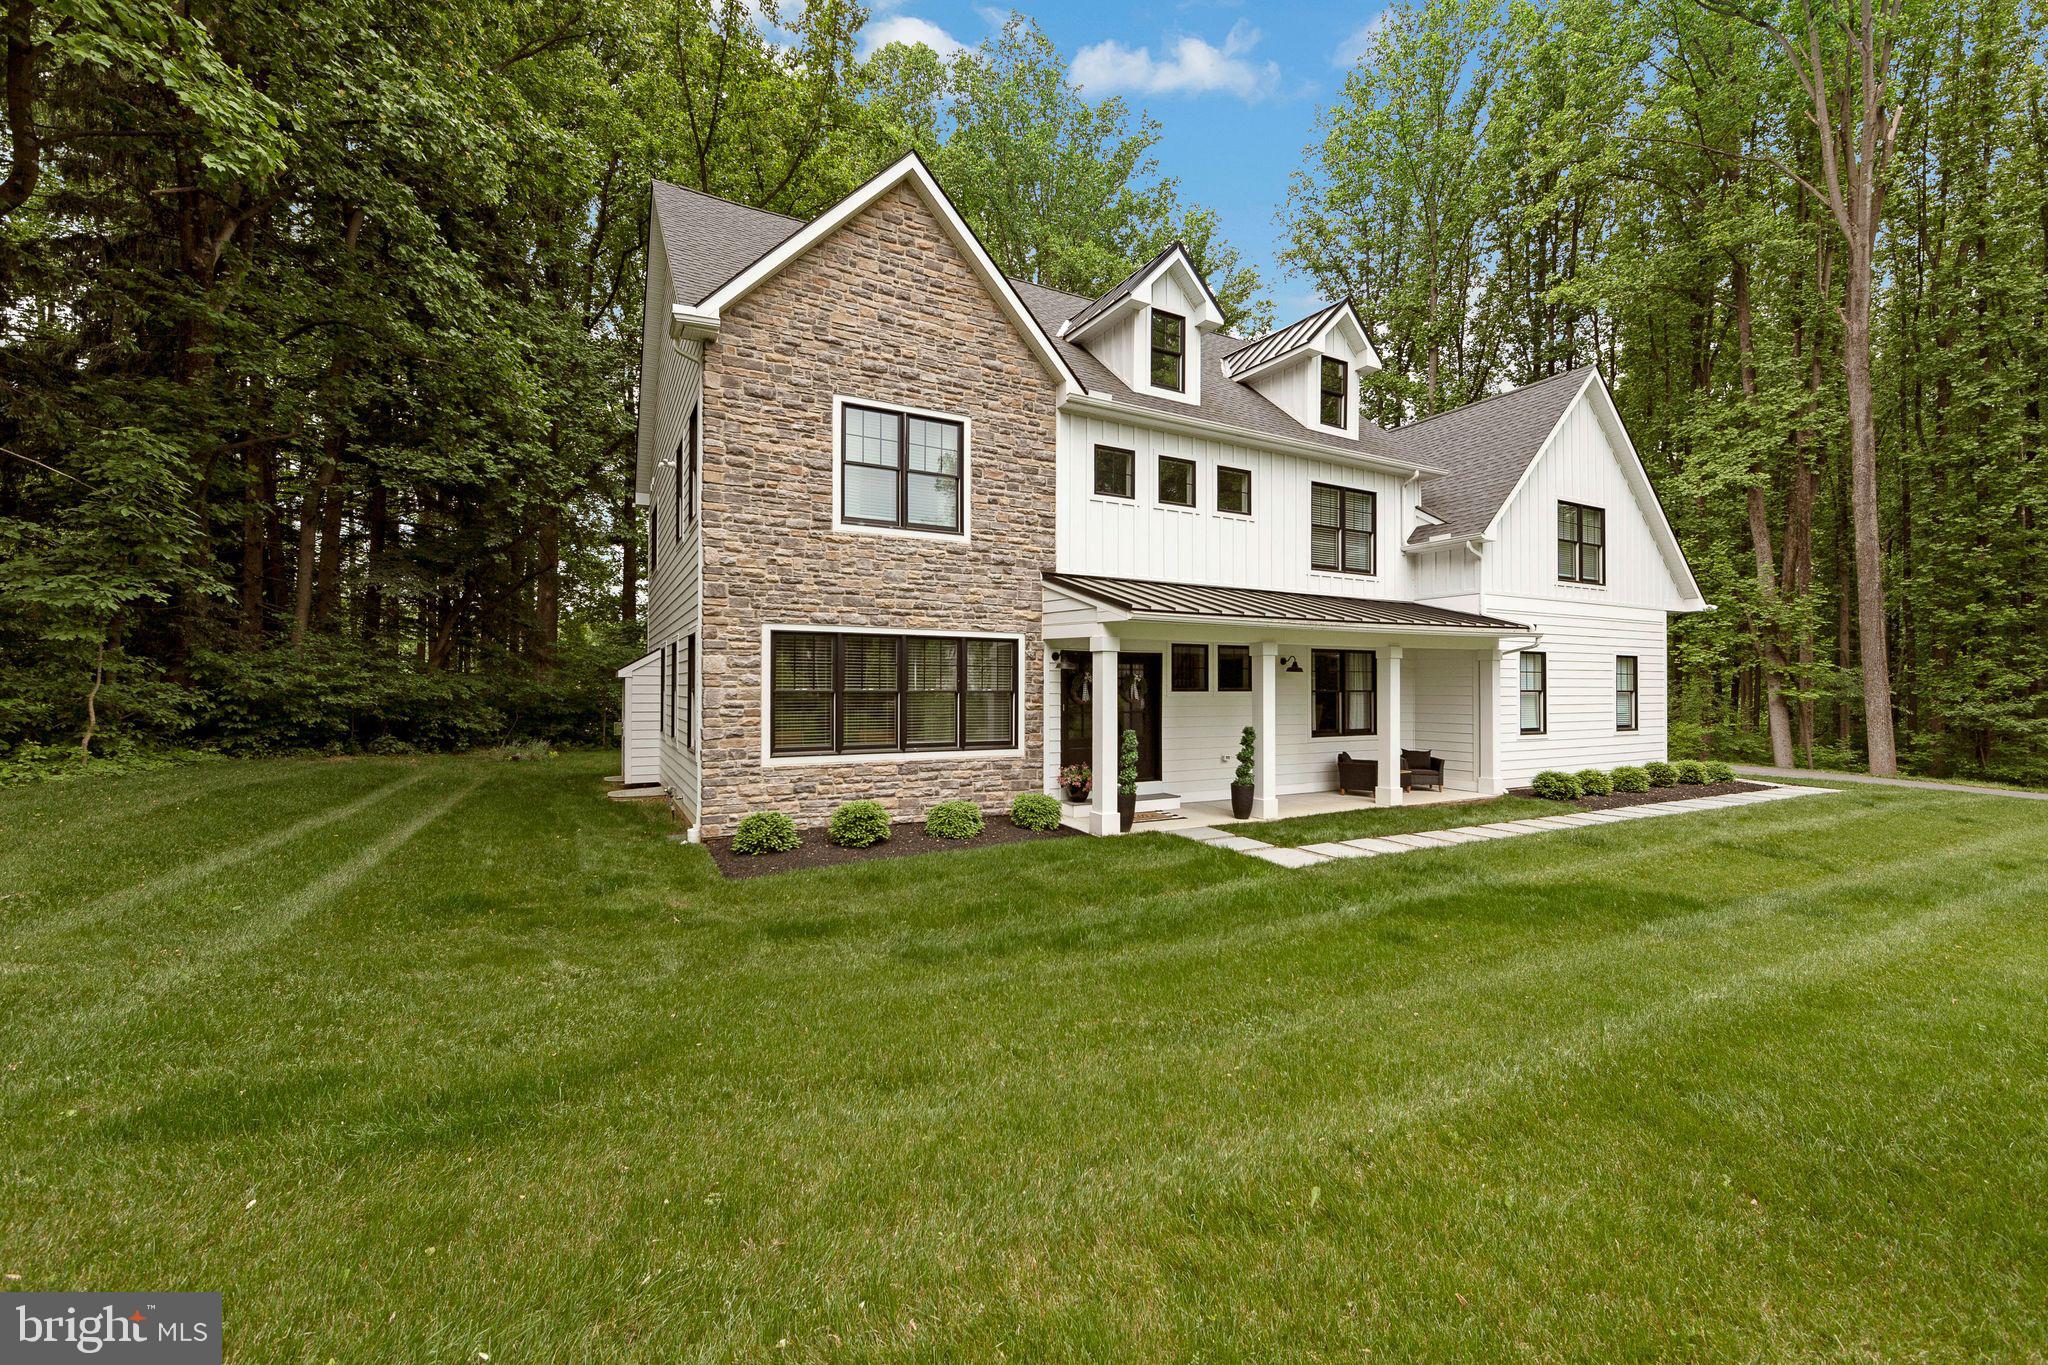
(1480, 402)
(719, 198)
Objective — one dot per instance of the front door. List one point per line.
(1137, 708)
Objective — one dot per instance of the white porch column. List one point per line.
(1388, 793)
(1102, 816)
(1488, 738)
(1266, 719)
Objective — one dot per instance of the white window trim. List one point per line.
(771, 760)
(840, 402)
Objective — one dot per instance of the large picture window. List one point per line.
(1336, 392)
(853, 694)
(1341, 529)
(1535, 694)
(898, 469)
(1624, 691)
(1581, 544)
(1169, 351)
(1344, 692)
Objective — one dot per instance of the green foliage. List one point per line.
(1630, 778)
(1661, 774)
(858, 824)
(1127, 765)
(954, 820)
(1035, 810)
(1555, 786)
(1077, 776)
(1717, 771)
(766, 831)
(1593, 782)
(1246, 753)
(1690, 772)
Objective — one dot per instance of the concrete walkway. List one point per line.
(1818, 775)
(1310, 854)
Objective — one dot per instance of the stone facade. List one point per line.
(885, 310)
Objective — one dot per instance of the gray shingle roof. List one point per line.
(1485, 445)
(709, 240)
(1145, 597)
(1117, 293)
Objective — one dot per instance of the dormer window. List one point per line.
(1336, 392)
(1169, 350)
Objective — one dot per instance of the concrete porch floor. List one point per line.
(1305, 803)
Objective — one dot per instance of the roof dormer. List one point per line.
(1309, 369)
(1148, 330)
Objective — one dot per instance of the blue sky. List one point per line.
(1235, 86)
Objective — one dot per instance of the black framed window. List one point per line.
(858, 693)
(897, 469)
(1535, 693)
(1344, 692)
(1233, 668)
(686, 476)
(1624, 691)
(1169, 350)
(1581, 543)
(1336, 390)
(1341, 528)
(1234, 490)
(1176, 481)
(1191, 668)
(1116, 472)
(689, 701)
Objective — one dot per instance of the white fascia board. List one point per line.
(909, 169)
(1271, 625)
(1101, 405)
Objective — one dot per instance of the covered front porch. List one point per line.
(1334, 688)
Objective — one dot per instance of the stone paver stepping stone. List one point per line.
(1208, 834)
(1419, 840)
(1336, 850)
(1237, 843)
(1459, 835)
(1488, 831)
(1289, 857)
(1375, 846)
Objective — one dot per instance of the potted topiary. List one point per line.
(1078, 779)
(1127, 781)
(1241, 784)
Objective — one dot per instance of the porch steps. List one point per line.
(1159, 805)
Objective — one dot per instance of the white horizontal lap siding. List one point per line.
(640, 714)
(1579, 465)
(673, 596)
(1580, 644)
(1140, 538)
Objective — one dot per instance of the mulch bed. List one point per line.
(1650, 797)
(906, 839)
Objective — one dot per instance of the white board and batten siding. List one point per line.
(674, 596)
(1140, 537)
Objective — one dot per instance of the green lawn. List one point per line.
(1373, 824)
(421, 1060)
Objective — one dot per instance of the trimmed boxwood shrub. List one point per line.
(766, 831)
(1661, 774)
(1691, 772)
(953, 820)
(1593, 782)
(1555, 786)
(1630, 779)
(1718, 771)
(858, 824)
(1035, 810)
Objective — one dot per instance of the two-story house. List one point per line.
(918, 531)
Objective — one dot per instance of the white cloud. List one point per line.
(908, 28)
(1361, 41)
(1189, 66)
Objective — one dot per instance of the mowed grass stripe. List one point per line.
(256, 932)
(165, 884)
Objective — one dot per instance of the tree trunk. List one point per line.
(309, 526)
(1870, 604)
(1771, 654)
(252, 544)
(547, 594)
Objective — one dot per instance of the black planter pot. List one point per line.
(1077, 794)
(1127, 809)
(1241, 801)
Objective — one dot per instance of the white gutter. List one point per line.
(1102, 405)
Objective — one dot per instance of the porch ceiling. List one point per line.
(1181, 601)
